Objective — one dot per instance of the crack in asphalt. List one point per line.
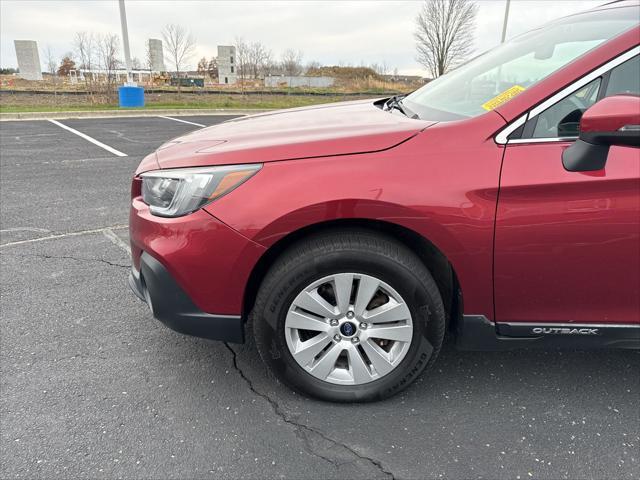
(302, 429)
(66, 257)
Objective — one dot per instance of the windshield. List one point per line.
(500, 74)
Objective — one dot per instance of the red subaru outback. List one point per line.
(499, 203)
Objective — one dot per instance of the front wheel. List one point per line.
(348, 316)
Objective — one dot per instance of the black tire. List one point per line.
(359, 251)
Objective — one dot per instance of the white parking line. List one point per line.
(182, 121)
(116, 240)
(89, 139)
(25, 229)
(64, 235)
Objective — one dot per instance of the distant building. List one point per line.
(28, 59)
(100, 75)
(156, 55)
(408, 79)
(298, 81)
(227, 73)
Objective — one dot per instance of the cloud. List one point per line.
(354, 32)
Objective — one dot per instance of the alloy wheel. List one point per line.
(348, 329)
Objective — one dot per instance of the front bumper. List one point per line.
(192, 271)
(171, 305)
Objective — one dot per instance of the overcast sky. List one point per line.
(331, 32)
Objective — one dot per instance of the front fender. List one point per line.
(436, 185)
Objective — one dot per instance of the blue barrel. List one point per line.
(131, 96)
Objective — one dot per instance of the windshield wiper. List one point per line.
(396, 102)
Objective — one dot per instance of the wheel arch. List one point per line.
(436, 262)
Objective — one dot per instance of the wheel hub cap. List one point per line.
(323, 333)
(348, 329)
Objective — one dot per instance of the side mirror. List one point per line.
(611, 121)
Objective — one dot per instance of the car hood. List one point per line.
(318, 131)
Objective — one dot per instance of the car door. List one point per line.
(567, 244)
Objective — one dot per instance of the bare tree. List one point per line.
(292, 62)
(108, 48)
(85, 45)
(257, 57)
(136, 64)
(50, 60)
(180, 46)
(212, 68)
(242, 58)
(444, 34)
(380, 68)
(384, 66)
(52, 67)
(313, 65)
(267, 65)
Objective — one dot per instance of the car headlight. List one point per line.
(177, 192)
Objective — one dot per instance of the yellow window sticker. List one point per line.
(503, 97)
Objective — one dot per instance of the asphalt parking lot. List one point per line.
(93, 387)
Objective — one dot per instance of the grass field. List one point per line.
(18, 103)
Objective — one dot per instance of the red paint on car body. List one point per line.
(612, 114)
(208, 259)
(527, 240)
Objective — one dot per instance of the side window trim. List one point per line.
(530, 127)
(502, 138)
(532, 124)
(603, 85)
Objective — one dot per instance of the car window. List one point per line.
(525, 70)
(495, 77)
(563, 118)
(625, 78)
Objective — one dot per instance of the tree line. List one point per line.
(253, 60)
(444, 39)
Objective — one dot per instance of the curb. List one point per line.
(4, 117)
